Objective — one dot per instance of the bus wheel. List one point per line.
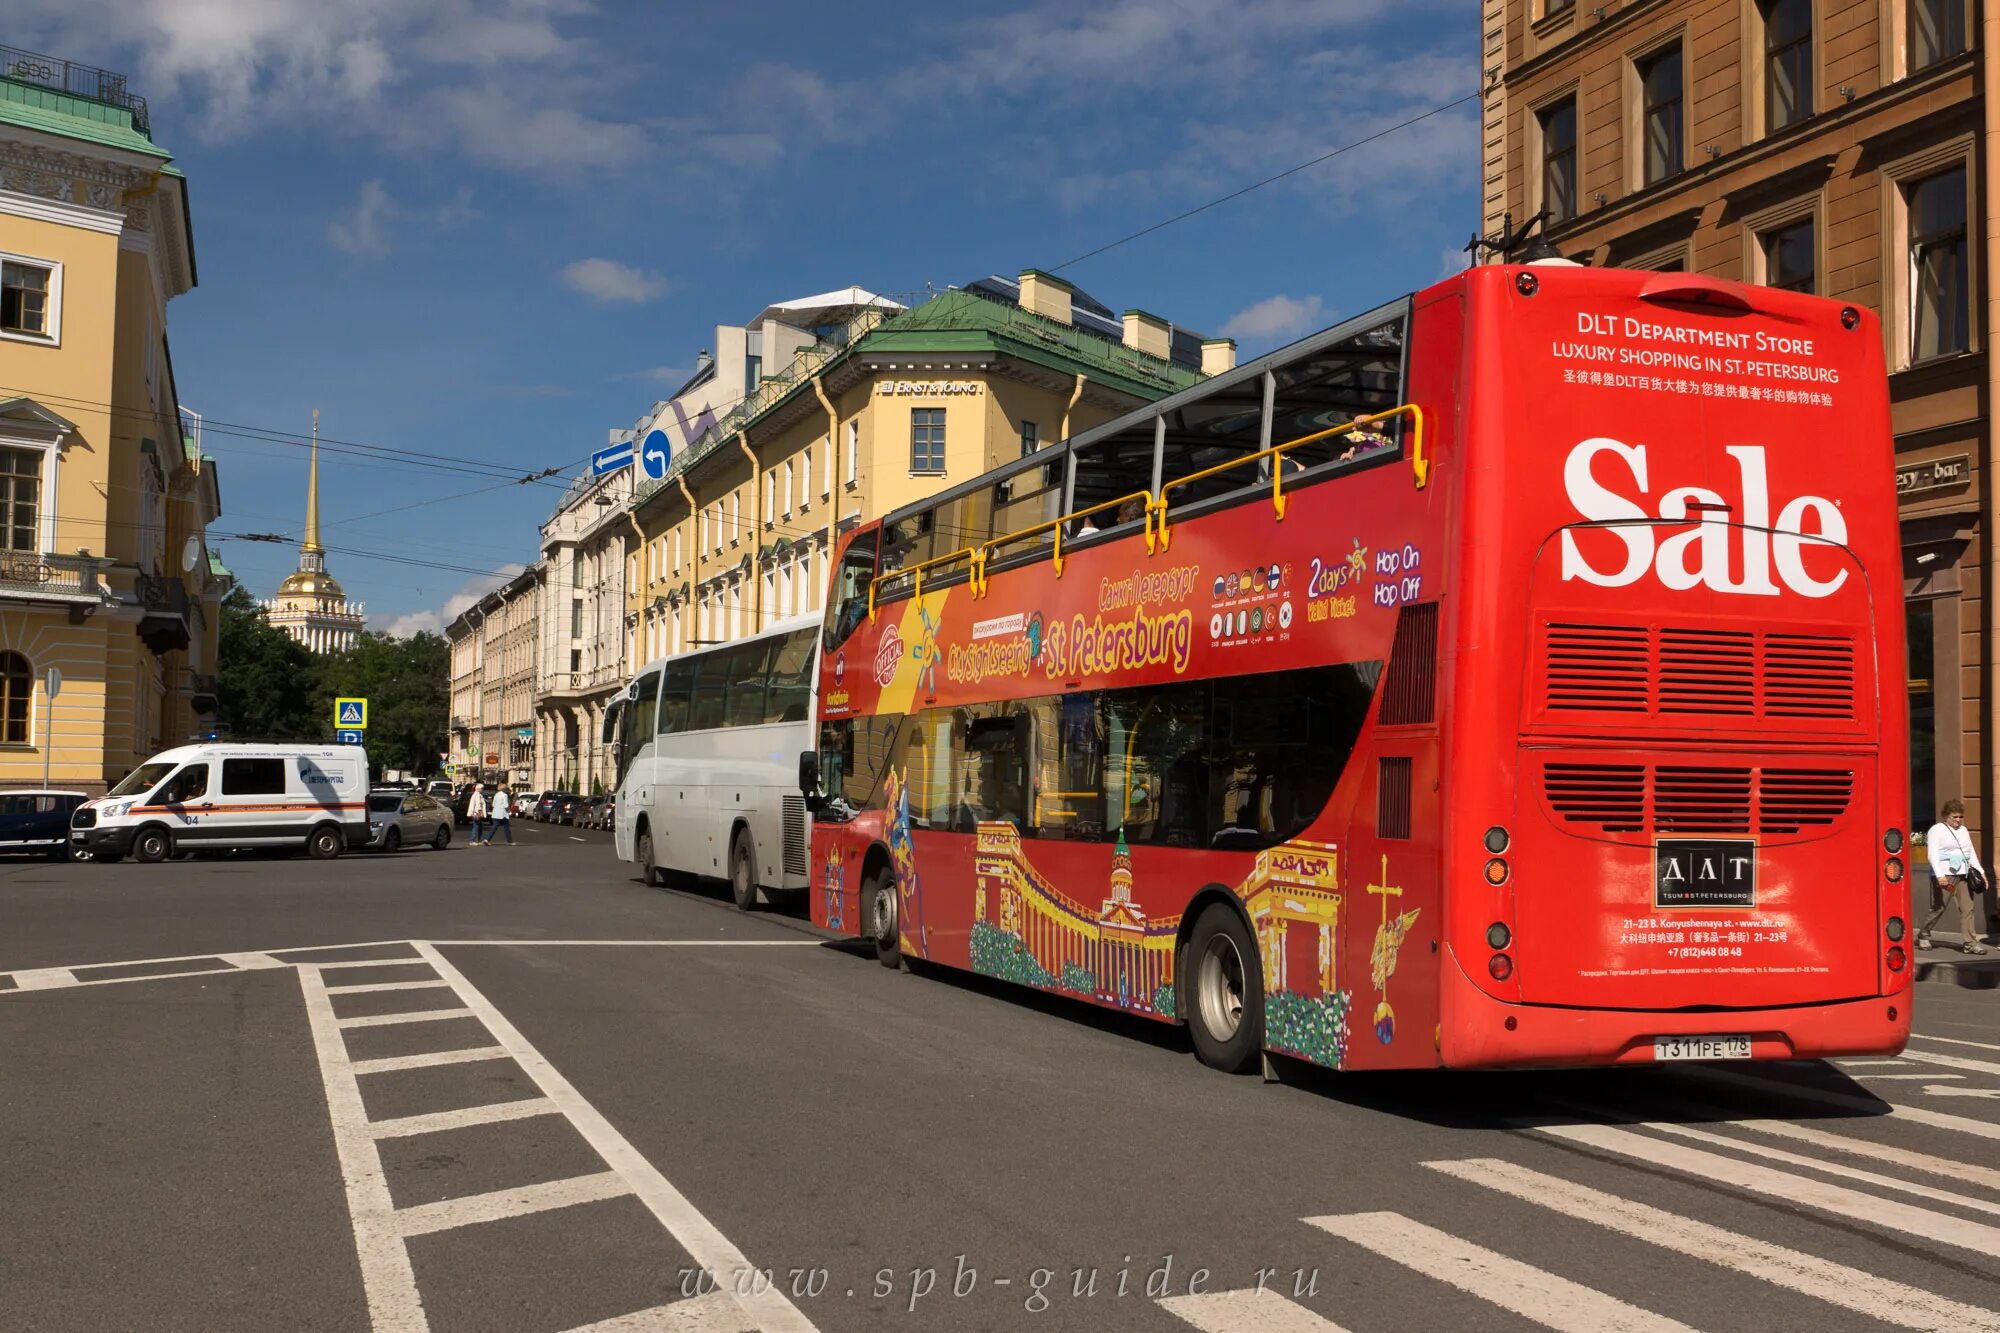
(742, 874)
(1225, 1004)
(152, 845)
(649, 871)
(882, 924)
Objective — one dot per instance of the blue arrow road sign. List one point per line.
(654, 454)
(351, 737)
(611, 459)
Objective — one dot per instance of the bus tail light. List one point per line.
(1897, 959)
(1496, 840)
(1894, 929)
(1892, 870)
(1498, 936)
(1892, 841)
(1500, 966)
(1496, 871)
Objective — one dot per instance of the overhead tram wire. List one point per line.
(1268, 180)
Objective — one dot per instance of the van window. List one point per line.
(17, 805)
(142, 779)
(253, 777)
(191, 783)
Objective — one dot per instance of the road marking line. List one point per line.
(1533, 1293)
(713, 1313)
(1734, 1173)
(1831, 1168)
(252, 961)
(1954, 1041)
(450, 1214)
(1953, 1062)
(1906, 1078)
(387, 1278)
(419, 1016)
(702, 1239)
(1248, 1311)
(1939, 1090)
(1866, 1064)
(1916, 1115)
(492, 1113)
(387, 985)
(1968, 1172)
(426, 1059)
(1864, 1293)
(574, 838)
(46, 978)
(362, 962)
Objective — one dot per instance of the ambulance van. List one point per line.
(217, 797)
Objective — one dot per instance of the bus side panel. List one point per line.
(1394, 899)
(840, 853)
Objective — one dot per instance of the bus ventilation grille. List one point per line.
(1392, 797)
(1409, 687)
(795, 835)
(1666, 672)
(1681, 799)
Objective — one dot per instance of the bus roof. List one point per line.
(777, 629)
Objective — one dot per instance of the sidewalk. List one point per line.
(1947, 964)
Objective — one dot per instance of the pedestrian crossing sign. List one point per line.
(350, 715)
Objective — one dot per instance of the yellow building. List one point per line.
(105, 573)
(877, 406)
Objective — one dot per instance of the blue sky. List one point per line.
(494, 230)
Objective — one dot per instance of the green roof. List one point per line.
(35, 108)
(216, 568)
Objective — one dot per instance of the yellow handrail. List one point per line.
(1040, 796)
(916, 573)
(985, 551)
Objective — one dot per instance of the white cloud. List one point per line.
(607, 281)
(472, 590)
(417, 622)
(1276, 319)
(358, 231)
(674, 375)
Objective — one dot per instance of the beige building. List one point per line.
(105, 573)
(494, 656)
(582, 637)
(1830, 146)
(311, 606)
(877, 406)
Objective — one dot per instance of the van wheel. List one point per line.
(884, 927)
(649, 870)
(742, 874)
(1224, 1000)
(443, 838)
(152, 846)
(324, 843)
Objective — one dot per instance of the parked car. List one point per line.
(586, 812)
(606, 813)
(459, 800)
(565, 803)
(37, 821)
(398, 818)
(438, 789)
(543, 806)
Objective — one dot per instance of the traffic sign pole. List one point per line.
(54, 687)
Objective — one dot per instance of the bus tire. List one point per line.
(743, 873)
(1225, 992)
(879, 900)
(323, 843)
(649, 870)
(153, 845)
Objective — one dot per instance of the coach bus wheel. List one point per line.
(882, 923)
(152, 845)
(742, 874)
(649, 871)
(324, 843)
(1226, 985)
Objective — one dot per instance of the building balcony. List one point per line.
(67, 76)
(164, 621)
(29, 576)
(204, 692)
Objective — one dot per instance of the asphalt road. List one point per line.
(216, 1112)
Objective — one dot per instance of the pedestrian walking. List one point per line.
(475, 814)
(503, 822)
(1956, 876)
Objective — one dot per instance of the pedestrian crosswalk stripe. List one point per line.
(1847, 1101)
(1954, 1041)
(1953, 1061)
(1251, 1310)
(713, 1313)
(1738, 1174)
(464, 1117)
(447, 1214)
(1533, 1293)
(1864, 1293)
(1968, 1172)
(1876, 1179)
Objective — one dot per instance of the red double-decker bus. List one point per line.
(1511, 675)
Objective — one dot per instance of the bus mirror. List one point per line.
(809, 779)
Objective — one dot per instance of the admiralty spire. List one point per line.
(311, 606)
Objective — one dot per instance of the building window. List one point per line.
(27, 298)
(805, 477)
(1937, 31)
(826, 469)
(20, 499)
(1554, 7)
(1789, 258)
(1939, 288)
(927, 439)
(576, 567)
(735, 517)
(1559, 161)
(753, 362)
(788, 488)
(1788, 62)
(576, 617)
(17, 692)
(575, 660)
(1031, 437)
(853, 448)
(1661, 107)
(770, 497)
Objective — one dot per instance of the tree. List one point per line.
(267, 683)
(407, 685)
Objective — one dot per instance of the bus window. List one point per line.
(1154, 778)
(790, 694)
(853, 752)
(708, 703)
(995, 778)
(1108, 469)
(1277, 745)
(748, 665)
(645, 708)
(848, 605)
(675, 688)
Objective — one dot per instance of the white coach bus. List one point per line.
(708, 746)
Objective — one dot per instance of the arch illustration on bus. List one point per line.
(707, 745)
(1510, 675)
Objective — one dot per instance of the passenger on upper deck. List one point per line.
(1364, 440)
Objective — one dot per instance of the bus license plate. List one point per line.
(1701, 1048)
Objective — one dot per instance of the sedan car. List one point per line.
(407, 818)
(37, 821)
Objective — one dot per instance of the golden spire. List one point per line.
(311, 542)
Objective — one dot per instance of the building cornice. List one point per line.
(60, 211)
(1580, 39)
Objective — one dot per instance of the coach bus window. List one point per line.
(848, 606)
(790, 695)
(675, 688)
(707, 704)
(746, 667)
(645, 709)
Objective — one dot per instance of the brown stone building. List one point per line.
(1840, 147)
